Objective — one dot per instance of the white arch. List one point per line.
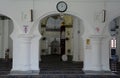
(113, 17)
(36, 23)
(35, 41)
(13, 35)
(10, 35)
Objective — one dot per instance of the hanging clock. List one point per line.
(61, 6)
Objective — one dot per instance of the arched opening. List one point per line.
(6, 43)
(115, 44)
(61, 40)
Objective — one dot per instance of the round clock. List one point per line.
(61, 6)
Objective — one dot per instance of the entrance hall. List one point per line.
(58, 39)
(54, 44)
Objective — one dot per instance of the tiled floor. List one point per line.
(57, 69)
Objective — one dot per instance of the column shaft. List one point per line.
(96, 54)
(92, 58)
(21, 58)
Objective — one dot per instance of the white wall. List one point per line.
(85, 10)
(89, 11)
(86, 13)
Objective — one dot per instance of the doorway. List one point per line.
(61, 43)
(56, 36)
(115, 44)
(6, 43)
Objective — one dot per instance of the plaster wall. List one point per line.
(89, 11)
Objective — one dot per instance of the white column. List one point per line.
(94, 61)
(76, 40)
(96, 52)
(87, 55)
(105, 56)
(34, 62)
(21, 58)
(76, 49)
(6, 34)
(118, 40)
(1, 53)
(1, 39)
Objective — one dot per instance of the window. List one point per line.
(113, 42)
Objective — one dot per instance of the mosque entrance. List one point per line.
(56, 38)
(61, 43)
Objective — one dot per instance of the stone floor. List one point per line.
(55, 68)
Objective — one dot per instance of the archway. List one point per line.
(66, 31)
(114, 28)
(6, 43)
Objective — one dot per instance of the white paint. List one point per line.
(85, 10)
(34, 62)
(1, 47)
(22, 61)
(87, 56)
(105, 48)
(10, 41)
(76, 39)
(5, 38)
(95, 59)
(1, 39)
(35, 47)
(96, 52)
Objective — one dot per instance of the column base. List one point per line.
(98, 73)
(92, 69)
(106, 68)
(30, 72)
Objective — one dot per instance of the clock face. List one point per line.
(61, 6)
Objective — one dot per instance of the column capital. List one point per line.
(25, 36)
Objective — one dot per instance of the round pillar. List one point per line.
(96, 52)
